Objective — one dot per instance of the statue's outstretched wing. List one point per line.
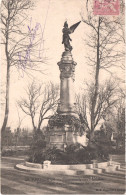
(74, 26)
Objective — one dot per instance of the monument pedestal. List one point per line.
(65, 126)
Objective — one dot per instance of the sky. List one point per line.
(51, 14)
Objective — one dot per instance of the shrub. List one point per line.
(80, 154)
(8, 153)
(83, 156)
(100, 150)
(73, 154)
(37, 147)
(54, 155)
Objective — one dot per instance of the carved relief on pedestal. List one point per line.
(67, 66)
(67, 71)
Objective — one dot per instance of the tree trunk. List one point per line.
(94, 99)
(33, 124)
(7, 74)
(39, 124)
(7, 86)
(7, 100)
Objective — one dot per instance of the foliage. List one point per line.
(73, 154)
(77, 154)
(115, 123)
(15, 143)
(120, 140)
(7, 139)
(102, 144)
(61, 120)
(53, 154)
(22, 137)
(118, 151)
(15, 152)
(37, 148)
(8, 152)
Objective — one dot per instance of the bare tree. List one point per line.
(106, 100)
(104, 45)
(39, 102)
(20, 120)
(22, 45)
(116, 119)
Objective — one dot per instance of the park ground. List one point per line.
(14, 181)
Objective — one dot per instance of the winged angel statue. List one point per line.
(66, 38)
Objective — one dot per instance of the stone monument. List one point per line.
(65, 127)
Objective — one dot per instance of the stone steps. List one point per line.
(85, 172)
(97, 170)
(123, 169)
(114, 174)
(118, 172)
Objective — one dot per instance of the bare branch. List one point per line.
(41, 100)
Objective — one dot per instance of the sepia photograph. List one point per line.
(62, 101)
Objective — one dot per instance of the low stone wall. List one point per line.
(34, 165)
(67, 167)
(102, 164)
(85, 169)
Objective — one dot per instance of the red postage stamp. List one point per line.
(106, 7)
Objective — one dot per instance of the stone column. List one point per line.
(65, 125)
(67, 77)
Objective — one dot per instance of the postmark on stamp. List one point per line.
(106, 7)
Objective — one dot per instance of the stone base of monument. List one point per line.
(65, 130)
(85, 169)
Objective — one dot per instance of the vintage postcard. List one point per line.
(62, 96)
